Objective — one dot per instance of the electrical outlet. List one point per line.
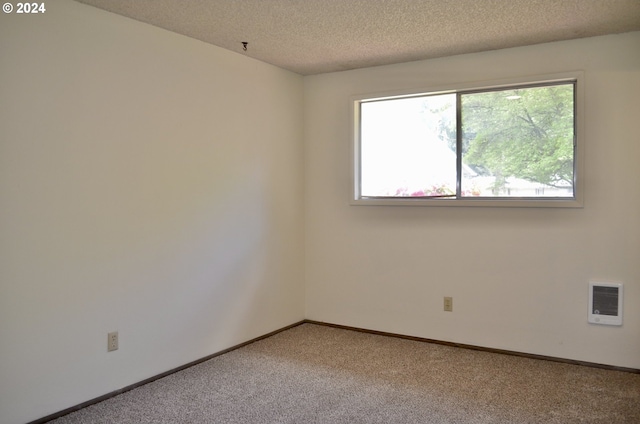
(448, 304)
(112, 341)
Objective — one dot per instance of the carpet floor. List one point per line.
(318, 374)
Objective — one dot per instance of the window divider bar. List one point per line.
(458, 145)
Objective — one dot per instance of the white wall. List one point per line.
(150, 184)
(518, 277)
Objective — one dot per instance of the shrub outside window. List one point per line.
(500, 145)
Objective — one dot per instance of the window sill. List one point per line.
(474, 202)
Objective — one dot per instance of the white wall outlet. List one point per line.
(112, 341)
(448, 304)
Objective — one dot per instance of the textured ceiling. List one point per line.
(317, 36)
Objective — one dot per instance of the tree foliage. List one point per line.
(525, 133)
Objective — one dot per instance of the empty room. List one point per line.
(375, 211)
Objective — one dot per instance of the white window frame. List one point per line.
(576, 77)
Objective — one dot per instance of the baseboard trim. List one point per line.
(157, 377)
(480, 348)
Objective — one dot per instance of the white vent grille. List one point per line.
(605, 303)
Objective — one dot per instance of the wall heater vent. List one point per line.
(605, 303)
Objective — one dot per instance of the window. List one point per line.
(501, 145)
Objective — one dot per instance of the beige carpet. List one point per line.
(319, 374)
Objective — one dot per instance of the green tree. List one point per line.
(526, 133)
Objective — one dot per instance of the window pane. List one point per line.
(407, 147)
(518, 142)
